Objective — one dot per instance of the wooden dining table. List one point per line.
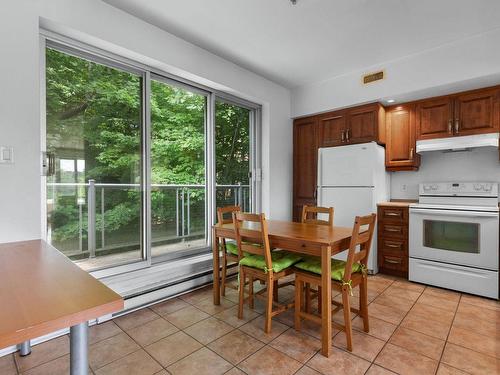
(42, 291)
(310, 239)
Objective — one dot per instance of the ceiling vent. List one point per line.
(373, 77)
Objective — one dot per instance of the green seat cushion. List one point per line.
(313, 264)
(232, 248)
(280, 260)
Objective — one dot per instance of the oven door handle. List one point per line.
(423, 211)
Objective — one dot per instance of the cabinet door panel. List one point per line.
(400, 143)
(305, 159)
(363, 125)
(434, 119)
(476, 113)
(332, 126)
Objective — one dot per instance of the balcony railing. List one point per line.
(83, 211)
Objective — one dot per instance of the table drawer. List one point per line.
(391, 245)
(393, 214)
(392, 262)
(393, 230)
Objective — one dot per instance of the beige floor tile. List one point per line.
(7, 365)
(437, 301)
(111, 349)
(403, 293)
(135, 319)
(378, 285)
(255, 328)
(183, 318)
(99, 332)
(386, 313)
(207, 305)
(232, 295)
(172, 348)
(393, 301)
(137, 363)
(339, 362)
(163, 372)
(490, 315)
(59, 366)
(152, 331)
(487, 344)
(443, 293)
(378, 328)
(470, 361)
(472, 323)
(235, 371)
(307, 371)
(208, 330)
(481, 302)
(403, 361)
(363, 345)
(198, 295)
(269, 361)
(297, 345)
(432, 313)
(203, 361)
(448, 370)
(418, 342)
(169, 306)
(423, 324)
(235, 346)
(43, 353)
(230, 316)
(409, 285)
(286, 317)
(377, 370)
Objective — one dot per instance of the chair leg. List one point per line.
(347, 317)
(250, 292)
(241, 293)
(269, 305)
(319, 298)
(307, 298)
(299, 286)
(363, 303)
(224, 274)
(275, 290)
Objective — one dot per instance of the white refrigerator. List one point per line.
(352, 179)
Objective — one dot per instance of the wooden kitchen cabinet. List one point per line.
(305, 162)
(332, 127)
(366, 124)
(435, 118)
(400, 143)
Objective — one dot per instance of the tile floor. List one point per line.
(414, 330)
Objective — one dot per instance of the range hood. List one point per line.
(458, 143)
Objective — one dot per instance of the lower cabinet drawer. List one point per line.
(393, 230)
(394, 245)
(392, 262)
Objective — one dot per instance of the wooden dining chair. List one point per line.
(258, 262)
(345, 276)
(310, 216)
(229, 248)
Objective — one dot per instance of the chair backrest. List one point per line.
(228, 212)
(252, 235)
(310, 215)
(362, 237)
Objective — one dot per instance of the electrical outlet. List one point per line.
(404, 187)
(6, 155)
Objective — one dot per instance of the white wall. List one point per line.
(97, 23)
(437, 166)
(468, 63)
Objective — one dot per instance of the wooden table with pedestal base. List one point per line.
(42, 291)
(310, 239)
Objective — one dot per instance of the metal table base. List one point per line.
(79, 347)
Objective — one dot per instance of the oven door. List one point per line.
(461, 237)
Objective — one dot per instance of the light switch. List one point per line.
(6, 155)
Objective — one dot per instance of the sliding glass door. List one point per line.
(137, 163)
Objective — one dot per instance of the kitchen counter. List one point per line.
(398, 202)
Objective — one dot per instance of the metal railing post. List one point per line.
(102, 218)
(177, 212)
(183, 213)
(188, 212)
(91, 219)
(240, 195)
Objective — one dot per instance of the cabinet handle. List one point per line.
(392, 214)
(343, 136)
(450, 126)
(389, 229)
(392, 261)
(411, 153)
(457, 125)
(395, 246)
(348, 135)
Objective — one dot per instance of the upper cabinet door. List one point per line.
(332, 129)
(363, 124)
(400, 142)
(305, 159)
(476, 113)
(435, 118)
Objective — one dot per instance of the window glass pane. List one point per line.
(94, 134)
(232, 152)
(453, 236)
(177, 169)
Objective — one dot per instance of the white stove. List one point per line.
(454, 237)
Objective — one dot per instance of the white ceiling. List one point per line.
(316, 39)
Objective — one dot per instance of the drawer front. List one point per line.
(393, 230)
(392, 245)
(392, 262)
(393, 214)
